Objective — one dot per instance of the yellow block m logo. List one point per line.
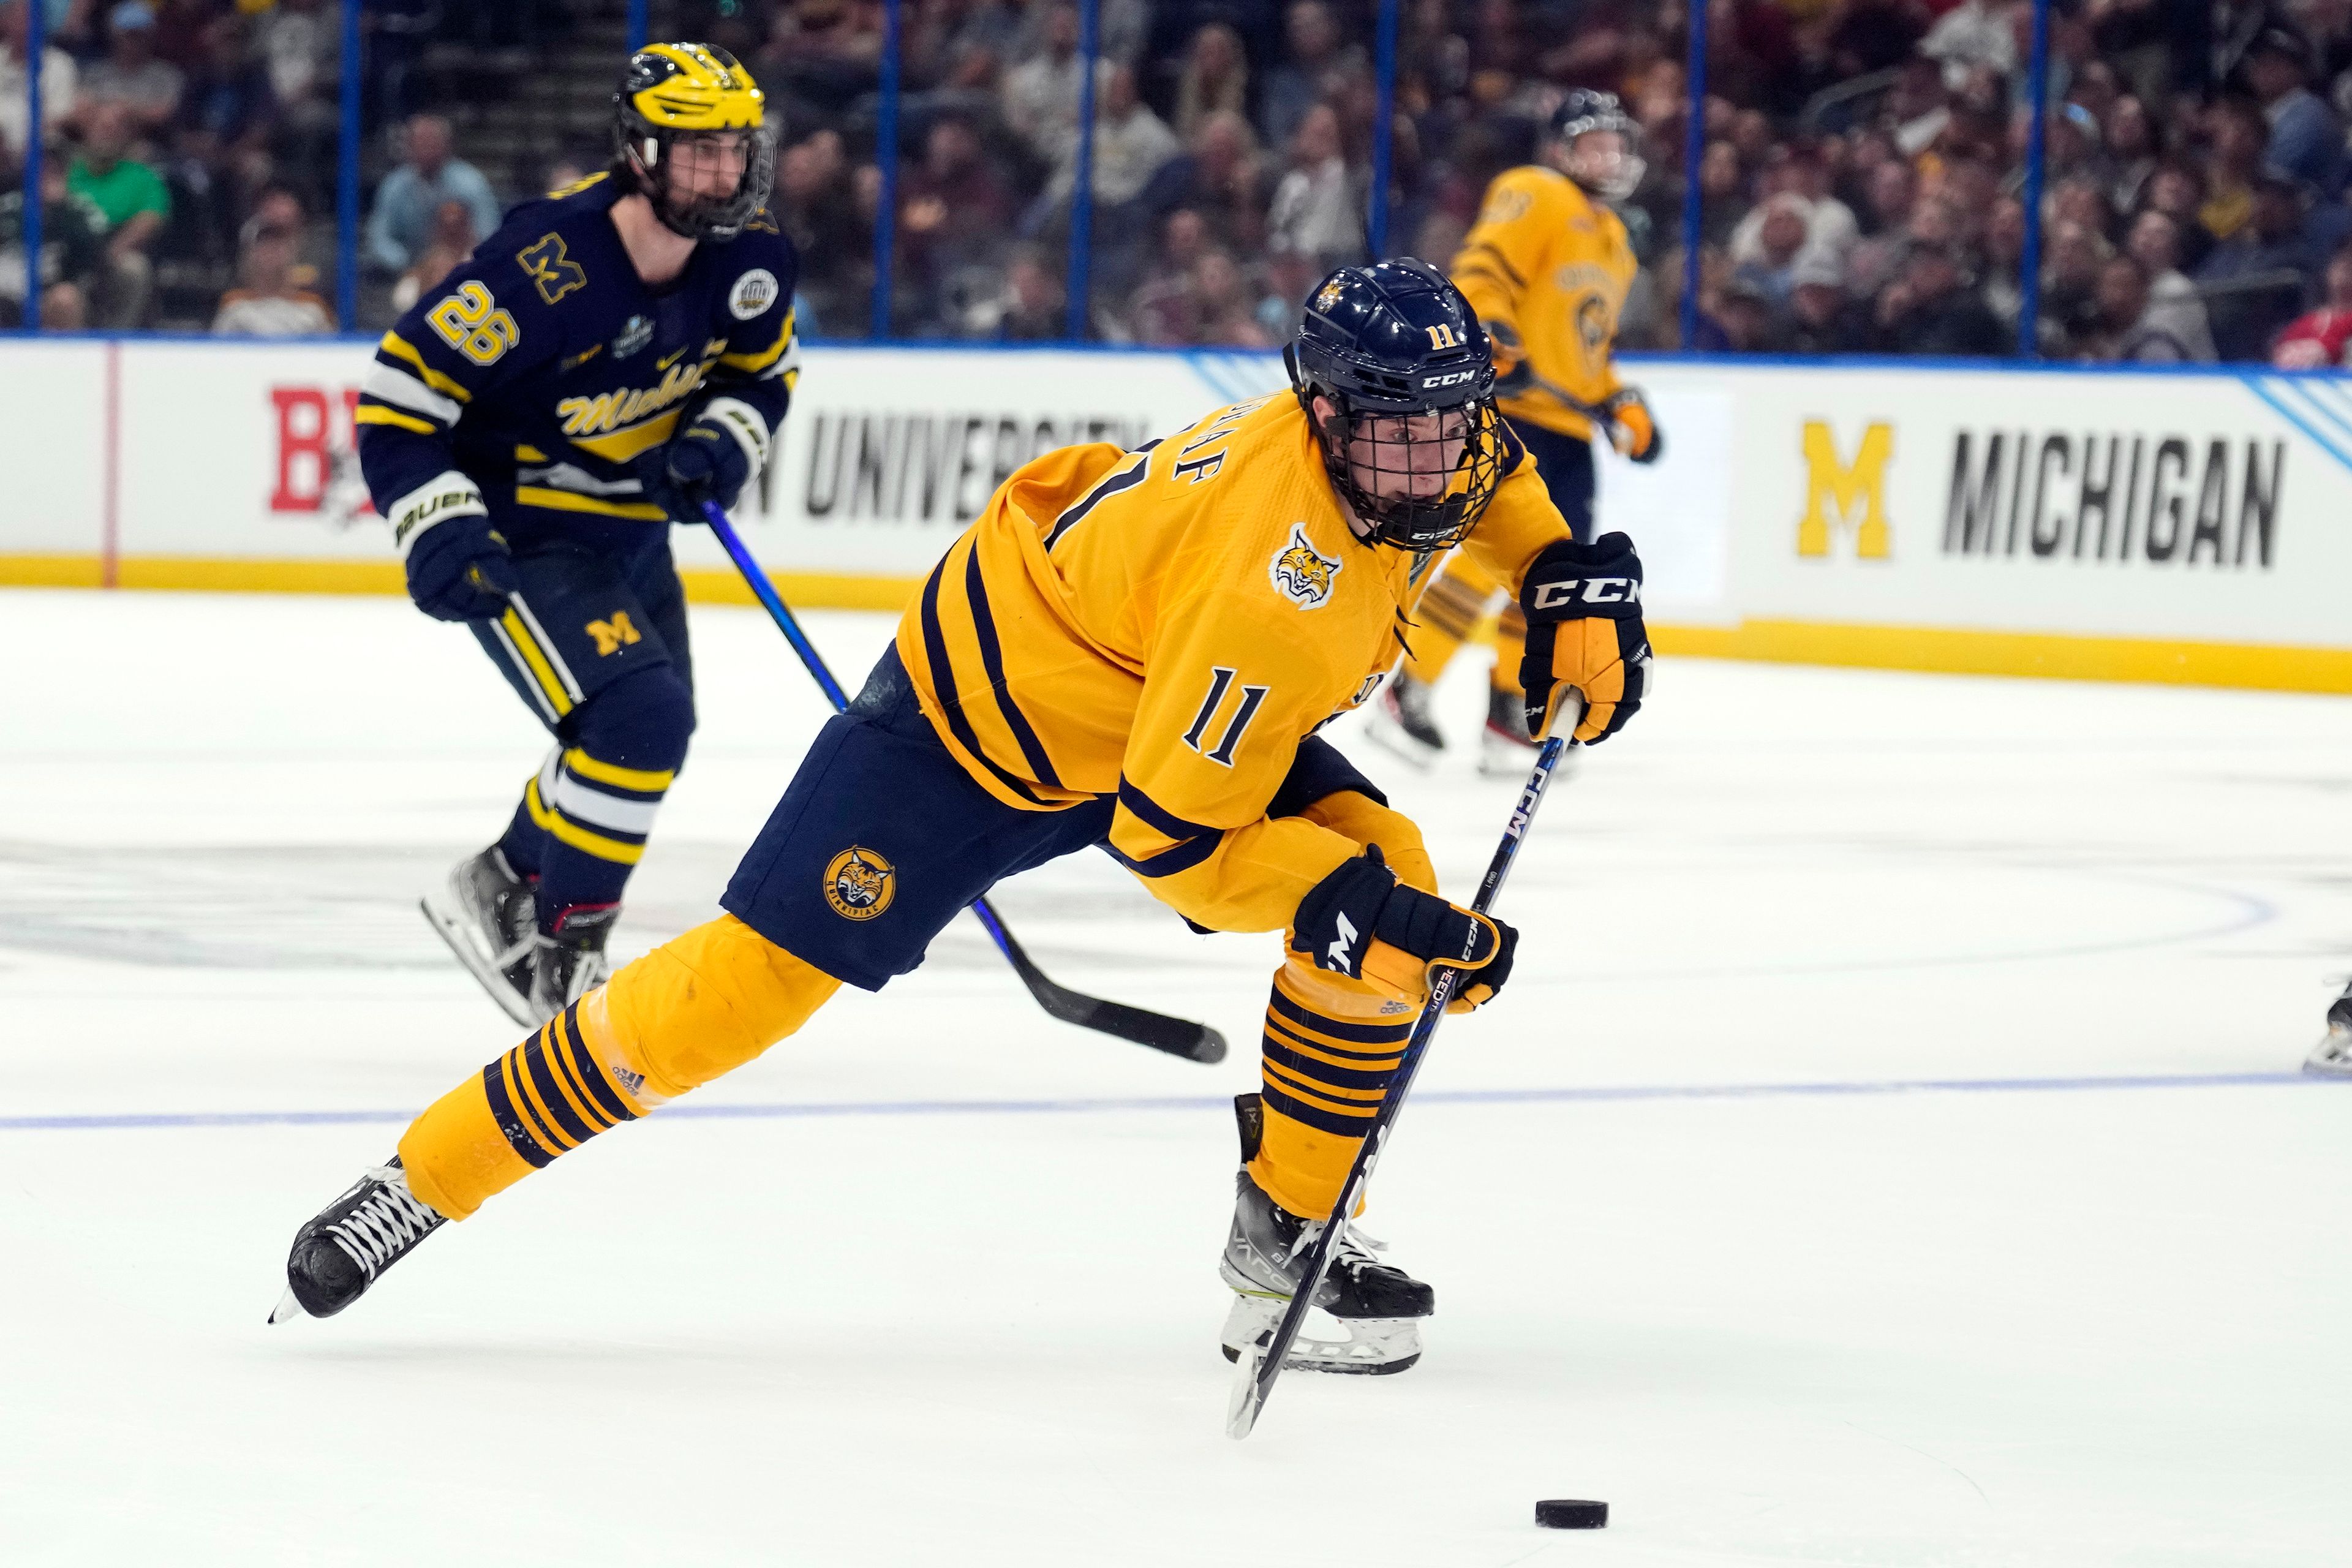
(1836, 491)
(610, 635)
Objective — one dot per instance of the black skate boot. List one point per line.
(1506, 749)
(487, 916)
(338, 1255)
(2332, 1057)
(1399, 721)
(567, 965)
(1379, 1306)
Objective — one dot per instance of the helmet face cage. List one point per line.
(1583, 112)
(673, 94)
(1397, 378)
(1362, 447)
(648, 151)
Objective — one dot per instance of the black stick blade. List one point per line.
(1193, 1042)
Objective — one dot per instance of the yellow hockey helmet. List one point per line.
(672, 92)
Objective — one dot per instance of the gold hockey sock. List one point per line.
(1329, 1052)
(693, 1008)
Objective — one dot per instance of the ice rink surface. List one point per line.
(1888, 1152)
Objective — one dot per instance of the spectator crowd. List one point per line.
(1862, 179)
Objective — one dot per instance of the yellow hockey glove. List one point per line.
(1583, 605)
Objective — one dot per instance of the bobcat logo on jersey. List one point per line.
(859, 884)
(1303, 576)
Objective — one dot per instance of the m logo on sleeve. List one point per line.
(613, 635)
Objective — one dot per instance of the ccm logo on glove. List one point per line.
(1591, 589)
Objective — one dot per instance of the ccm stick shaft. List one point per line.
(1253, 1377)
(1195, 1042)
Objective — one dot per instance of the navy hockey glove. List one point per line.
(1362, 923)
(1583, 605)
(713, 458)
(459, 566)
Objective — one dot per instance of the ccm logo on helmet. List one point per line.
(1593, 590)
(1457, 379)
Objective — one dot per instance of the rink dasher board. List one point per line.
(2166, 525)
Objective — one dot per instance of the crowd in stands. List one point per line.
(1862, 179)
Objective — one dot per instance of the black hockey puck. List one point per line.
(1571, 1513)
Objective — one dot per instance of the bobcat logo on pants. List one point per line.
(859, 884)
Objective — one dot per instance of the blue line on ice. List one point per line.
(115, 1121)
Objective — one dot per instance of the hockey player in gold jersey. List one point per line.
(1132, 649)
(1546, 269)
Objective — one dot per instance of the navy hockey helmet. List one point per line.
(1611, 177)
(1411, 439)
(673, 93)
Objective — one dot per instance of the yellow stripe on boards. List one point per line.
(588, 767)
(377, 414)
(179, 574)
(565, 501)
(540, 669)
(2039, 655)
(2053, 656)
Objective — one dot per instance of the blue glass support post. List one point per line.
(1080, 286)
(36, 39)
(1383, 135)
(2029, 260)
(640, 23)
(1693, 155)
(886, 161)
(347, 175)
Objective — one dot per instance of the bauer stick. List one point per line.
(1195, 1042)
(1253, 1376)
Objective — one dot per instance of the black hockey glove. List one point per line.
(712, 459)
(1583, 605)
(1362, 923)
(460, 571)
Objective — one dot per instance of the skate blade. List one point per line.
(2332, 1057)
(287, 1307)
(1243, 1404)
(1374, 1347)
(513, 1003)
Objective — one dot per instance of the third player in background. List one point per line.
(1547, 267)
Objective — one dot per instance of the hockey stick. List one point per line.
(1195, 1042)
(1254, 1375)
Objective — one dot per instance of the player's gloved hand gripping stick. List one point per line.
(1197, 1042)
(1255, 1374)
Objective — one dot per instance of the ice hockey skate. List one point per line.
(569, 962)
(342, 1249)
(2332, 1057)
(1377, 1306)
(1503, 749)
(488, 915)
(1399, 720)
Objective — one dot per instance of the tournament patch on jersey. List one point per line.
(753, 294)
(859, 884)
(1302, 575)
(636, 333)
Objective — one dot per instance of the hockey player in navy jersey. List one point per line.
(618, 353)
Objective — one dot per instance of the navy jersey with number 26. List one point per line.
(523, 386)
